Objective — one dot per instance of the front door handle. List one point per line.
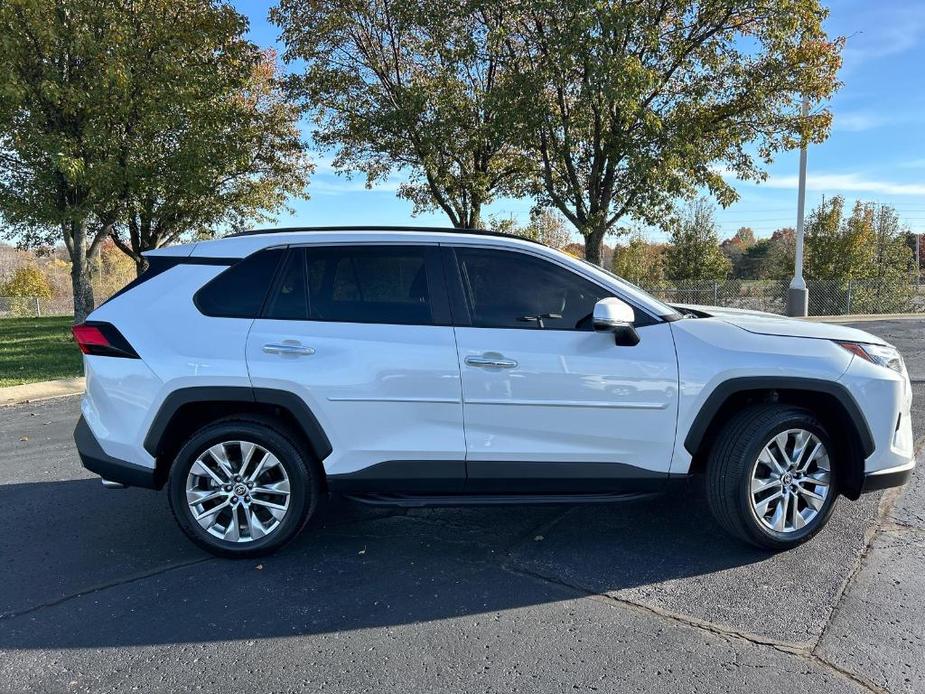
(288, 348)
(497, 362)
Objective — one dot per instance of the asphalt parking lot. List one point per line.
(101, 592)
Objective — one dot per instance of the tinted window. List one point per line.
(290, 300)
(357, 284)
(513, 290)
(239, 291)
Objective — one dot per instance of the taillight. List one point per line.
(102, 340)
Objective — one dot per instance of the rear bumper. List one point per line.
(96, 460)
(890, 477)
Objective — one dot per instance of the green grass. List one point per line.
(37, 349)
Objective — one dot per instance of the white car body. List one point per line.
(385, 393)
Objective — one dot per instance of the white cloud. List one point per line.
(858, 121)
(835, 182)
(849, 182)
(882, 31)
(337, 185)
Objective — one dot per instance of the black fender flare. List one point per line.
(311, 428)
(722, 392)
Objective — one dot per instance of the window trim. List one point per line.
(288, 257)
(460, 309)
(436, 285)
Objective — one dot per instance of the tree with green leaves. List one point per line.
(864, 255)
(890, 277)
(121, 117)
(629, 105)
(418, 88)
(213, 142)
(693, 251)
(27, 281)
(640, 261)
(25, 287)
(768, 259)
(837, 248)
(547, 226)
(736, 248)
(60, 87)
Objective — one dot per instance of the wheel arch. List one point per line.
(186, 410)
(830, 401)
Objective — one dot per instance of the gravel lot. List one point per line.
(101, 592)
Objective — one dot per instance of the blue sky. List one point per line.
(876, 150)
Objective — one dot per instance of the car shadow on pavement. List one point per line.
(90, 568)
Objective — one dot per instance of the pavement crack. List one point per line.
(847, 674)
(103, 586)
(659, 612)
(801, 651)
(884, 509)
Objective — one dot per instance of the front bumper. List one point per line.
(890, 477)
(96, 460)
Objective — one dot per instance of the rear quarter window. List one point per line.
(239, 291)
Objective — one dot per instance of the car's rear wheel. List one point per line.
(242, 488)
(771, 480)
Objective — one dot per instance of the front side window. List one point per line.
(357, 284)
(505, 289)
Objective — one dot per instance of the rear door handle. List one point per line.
(288, 348)
(498, 362)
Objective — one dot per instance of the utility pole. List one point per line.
(798, 295)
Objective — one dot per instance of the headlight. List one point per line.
(877, 354)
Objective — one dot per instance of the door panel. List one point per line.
(342, 330)
(572, 396)
(547, 400)
(381, 392)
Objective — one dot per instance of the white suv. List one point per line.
(254, 375)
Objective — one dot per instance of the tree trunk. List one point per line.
(594, 245)
(80, 271)
(141, 264)
(475, 216)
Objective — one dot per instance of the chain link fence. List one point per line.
(826, 297)
(33, 306)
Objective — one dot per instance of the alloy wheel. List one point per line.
(238, 491)
(791, 481)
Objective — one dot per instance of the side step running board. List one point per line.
(415, 501)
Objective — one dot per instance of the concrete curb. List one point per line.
(32, 392)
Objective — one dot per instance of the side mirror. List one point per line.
(614, 316)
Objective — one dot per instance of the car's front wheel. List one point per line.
(242, 488)
(771, 479)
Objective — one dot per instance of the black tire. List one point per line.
(730, 467)
(304, 483)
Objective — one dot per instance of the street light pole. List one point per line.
(918, 261)
(798, 294)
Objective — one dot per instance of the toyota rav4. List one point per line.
(254, 375)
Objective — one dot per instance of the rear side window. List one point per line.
(239, 291)
(361, 284)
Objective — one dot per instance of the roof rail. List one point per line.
(365, 227)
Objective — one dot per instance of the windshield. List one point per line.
(658, 307)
